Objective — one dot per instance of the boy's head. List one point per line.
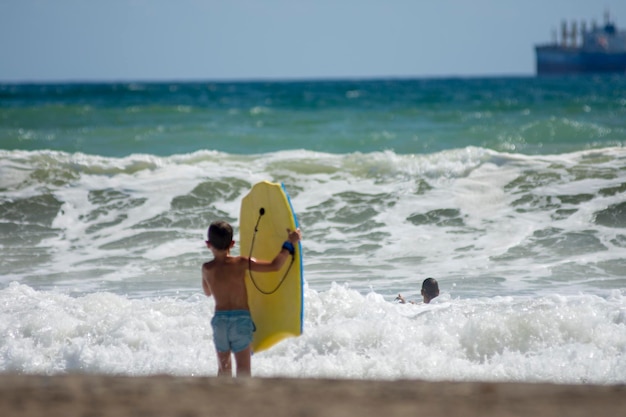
(220, 235)
(430, 289)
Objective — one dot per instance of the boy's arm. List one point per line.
(205, 282)
(279, 260)
(274, 265)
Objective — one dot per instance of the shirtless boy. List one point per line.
(224, 279)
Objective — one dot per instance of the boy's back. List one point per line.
(226, 278)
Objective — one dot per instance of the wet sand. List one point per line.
(94, 395)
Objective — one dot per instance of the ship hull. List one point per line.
(566, 60)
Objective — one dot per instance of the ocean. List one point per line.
(509, 191)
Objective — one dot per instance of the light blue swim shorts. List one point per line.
(232, 330)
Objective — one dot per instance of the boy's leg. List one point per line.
(243, 360)
(224, 367)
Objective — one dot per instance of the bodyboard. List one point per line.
(276, 299)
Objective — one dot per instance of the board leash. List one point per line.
(293, 258)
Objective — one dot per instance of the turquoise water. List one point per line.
(522, 115)
(509, 191)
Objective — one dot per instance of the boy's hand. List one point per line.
(294, 236)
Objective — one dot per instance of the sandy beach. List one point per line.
(93, 395)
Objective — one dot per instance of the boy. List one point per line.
(430, 290)
(224, 279)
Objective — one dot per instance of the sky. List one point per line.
(181, 40)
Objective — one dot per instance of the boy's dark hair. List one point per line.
(431, 287)
(220, 235)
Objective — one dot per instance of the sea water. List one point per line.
(509, 191)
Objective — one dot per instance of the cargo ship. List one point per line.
(602, 50)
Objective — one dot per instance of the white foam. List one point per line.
(565, 339)
(381, 248)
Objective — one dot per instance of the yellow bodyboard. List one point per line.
(276, 299)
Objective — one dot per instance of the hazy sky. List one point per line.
(130, 40)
